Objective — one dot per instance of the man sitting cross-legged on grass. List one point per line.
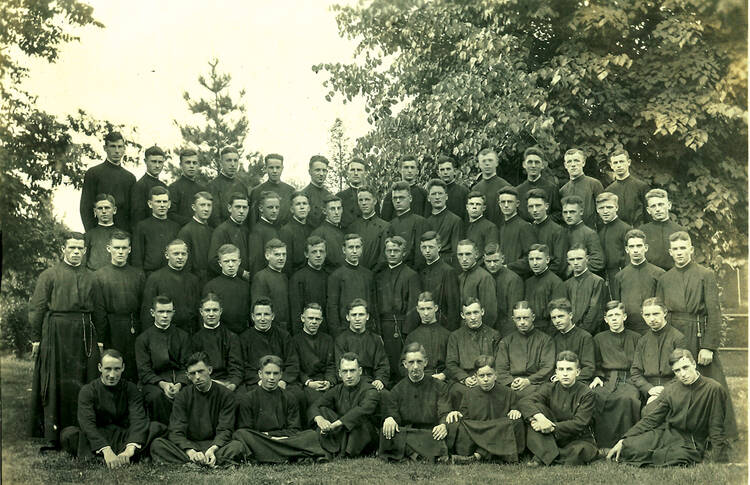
(344, 415)
(415, 423)
(618, 402)
(489, 423)
(686, 425)
(111, 420)
(268, 420)
(202, 422)
(560, 415)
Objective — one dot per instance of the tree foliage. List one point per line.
(222, 121)
(666, 80)
(339, 154)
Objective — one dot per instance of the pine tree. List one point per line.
(340, 153)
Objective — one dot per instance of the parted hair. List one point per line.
(537, 194)
(228, 149)
(470, 300)
(572, 200)
(436, 183)
(197, 357)
(114, 353)
(426, 296)
(574, 151)
(270, 359)
(227, 249)
(203, 195)
(619, 151)
(273, 156)
(152, 151)
(654, 301)
(476, 195)
(331, 198)
(409, 157)
(635, 233)
(355, 303)
(534, 150)
(313, 241)
(313, 305)
(657, 194)
(492, 248)
(523, 305)
(577, 247)
(568, 356)
(680, 236)
(108, 197)
(400, 185)
(429, 236)
(349, 357)
(318, 158)
(157, 190)
(606, 197)
(612, 305)
(484, 361)
(299, 193)
(350, 237)
(274, 244)
(211, 296)
(542, 248)
(268, 194)
(161, 300)
(113, 136)
(397, 240)
(262, 301)
(414, 347)
(187, 152)
(446, 159)
(120, 235)
(562, 304)
(508, 190)
(678, 354)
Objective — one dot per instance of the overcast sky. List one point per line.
(135, 69)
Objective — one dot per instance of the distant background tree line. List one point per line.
(665, 80)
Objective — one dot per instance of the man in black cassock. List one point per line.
(161, 352)
(295, 233)
(490, 183)
(202, 422)
(317, 367)
(440, 279)
(612, 233)
(441, 220)
(64, 340)
(152, 235)
(197, 235)
(447, 171)
(660, 228)
(97, 237)
(112, 423)
(268, 420)
(478, 228)
(407, 223)
(415, 423)
(225, 185)
(547, 232)
(140, 193)
(233, 231)
(515, 235)
(233, 291)
(271, 282)
(475, 282)
(618, 403)
(345, 414)
(408, 170)
(355, 178)
(629, 189)
(585, 290)
(118, 288)
(570, 337)
(542, 287)
(508, 285)
(431, 335)
(274, 165)
(370, 227)
(309, 284)
(560, 416)
(184, 189)
(686, 426)
(315, 190)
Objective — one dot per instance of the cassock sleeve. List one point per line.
(332, 304)
(656, 417)
(488, 297)
(39, 303)
(87, 418)
(636, 368)
(138, 254)
(326, 401)
(225, 424)
(363, 410)
(137, 204)
(178, 422)
(595, 253)
(588, 361)
(86, 205)
(502, 364)
(537, 402)
(593, 315)
(291, 361)
(100, 311)
(245, 414)
(234, 364)
(296, 302)
(584, 412)
(382, 370)
(546, 361)
(712, 328)
(452, 361)
(558, 257)
(143, 360)
(292, 417)
(138, 422)
(149, 293)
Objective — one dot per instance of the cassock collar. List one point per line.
(346, 261)
(583, 274)
(118, 164)
(367, 218)
(300, 221)
(660, 331)
(199, 221)
(266, 221)
(234, 221)
(494, 175)
(227, 176)
(575, 226)
(546, 218)
(230, 276)
(338, 226)
(274, 269)
(436, 260)
(314, 268)
(159, 219)
(187, 178)
(416, 383)
(569, 330)
(536, 179)
(404, 213)
(71, 264)
(639, 264)
(153, 177)
(395, 266)
(687, 266)
(173, 268)
(622, 179)
(106, 225)
(308, 333)
(212, 328)
(320, 187)
(610, 222)
(510, 218)
(440, 211)
(575, 179)
(210, 384)
(472, 221)
(122, 266)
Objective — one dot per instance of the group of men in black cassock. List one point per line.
(212, 325)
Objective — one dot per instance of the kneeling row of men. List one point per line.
(418, 418)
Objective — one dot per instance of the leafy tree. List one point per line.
(38, 151)
(666, 80)
(340, 153)
(223, 121)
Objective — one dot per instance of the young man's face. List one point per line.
(475, 207)
(537, 209)
(430, 250)
(355, 174)
(427, 311)
(189, 165)
(681, 252)
(493, 262)
(574, 165)
(658, 208)
(238, 210)
(159, 204)
(466, 255)
(154, 165)
(269, 375)
(561, 319)
(300, 207)
(350, 372)
(177, 255)
(620, 165)
(357, 318)
(487, 164)
(538, 261)
(318, 172)
(312, 318)
(636, 248)
(269, 209)
(111, 369)
(200, 375)
(119, 250)
(508, 204)
(202, 209)
(446, 172)
(472, 315)
(401, 200)
(230, 263)
(163, 313)
(262, 317)
(394, 253)
(578, 261)
(437, 197)
(524, 320)
(572, 214)
(414, 363)
(74, 250)
(316, 255)
(566, 372)
(210, 313)
(230, 163)
(276, 258)
(654, 316)
(607, 210)
(352, 250)
(486, 377)
(615, 318)
(274, 168)
(104, 211)
(409, 170)
(115, 150)
(533, 166)
(685, 370)
(366, 202)
(333, 212)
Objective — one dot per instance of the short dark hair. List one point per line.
(537, 194)
(314, 241)
(568, 356)
(113, 136)
(107, 197)
(572, 200)
(237, 196)
(299, 193)
(508, 189)
(429, 236)
(152, 151)
(157, 190)
(613, 304)
(562, 304)
(436, 183)
(273, 156)
(678, 354)
(203, 194)
(268, 194)
(619, 151)
(161, 300)
(426, 296)
(261, 301)
(355, 303)
(318, 158)
(78, 236)
(331, 198)
(654, 301)
(484, 361)
(349, 357)
(120, 235)
(274, 244)
(414, 347)
(522, 305)
(400, 185)
(270, 359)
(114, 353)
(542, 248)
(635, 234)
(228, 149)
(211, 296)
(476, 194)
(313, 305)
(227, 249)
(534, 150)
(446, 159)
(197, 357)
(470, 300)
(187, 152)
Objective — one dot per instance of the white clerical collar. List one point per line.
(436, 260)
(299, 220)
(211, 328)
(71, 264)
(368, 217)
(680, 267)
(308, 333)
(475, 220)
(107, 225)
(172, 267)
(227, 176)
(155, 177)
(264, 219)
(534, 180)
(313, 267)
(394, 265)
(399, 214)
(622, 179)
(116, 164)
(511, 217)
(568, 330)
(229, 275)
(199, 221)
(542, 221)
(274, 269)
(581, 273)
(315, 185)
(440, 211)
(638, 264)
(235, 220)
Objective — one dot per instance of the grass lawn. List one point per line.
(21, 463)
